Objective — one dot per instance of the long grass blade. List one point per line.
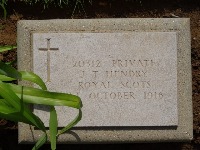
(9, 71)
(11, 62)
(5, 78)
(71, 124)
(53, 124)
(7, 48)
(7, 94)
(37, 96)
(9, 113)
(4, 102)
(13, 100)
(40, 142)
(29, 76)
(10, 96)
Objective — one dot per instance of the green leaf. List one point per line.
(71, 124)
(9, 113)
(18, 104)
(40, 142)
(9, 71)
(11, 62)
(10, 96)
(7, 48)
(29, 76)
(5, 78)
(53, 124)
(4, 102)
(37, 96)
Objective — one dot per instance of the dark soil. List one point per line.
(108, 9)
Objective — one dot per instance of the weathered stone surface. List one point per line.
(123, 79)
(140, 68)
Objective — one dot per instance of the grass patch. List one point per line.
(14, 99)
(74, 4)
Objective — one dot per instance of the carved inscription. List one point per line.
(123, 78)
(129, 74)
(132, 63)
(87, 63)
(48, 49)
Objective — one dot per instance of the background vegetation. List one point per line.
(75, 4)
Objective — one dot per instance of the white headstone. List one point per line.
(123, 79)
(133, 76)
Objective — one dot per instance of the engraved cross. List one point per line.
(48, 49)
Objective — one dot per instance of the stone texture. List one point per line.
(171, 117)
(127, 79)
